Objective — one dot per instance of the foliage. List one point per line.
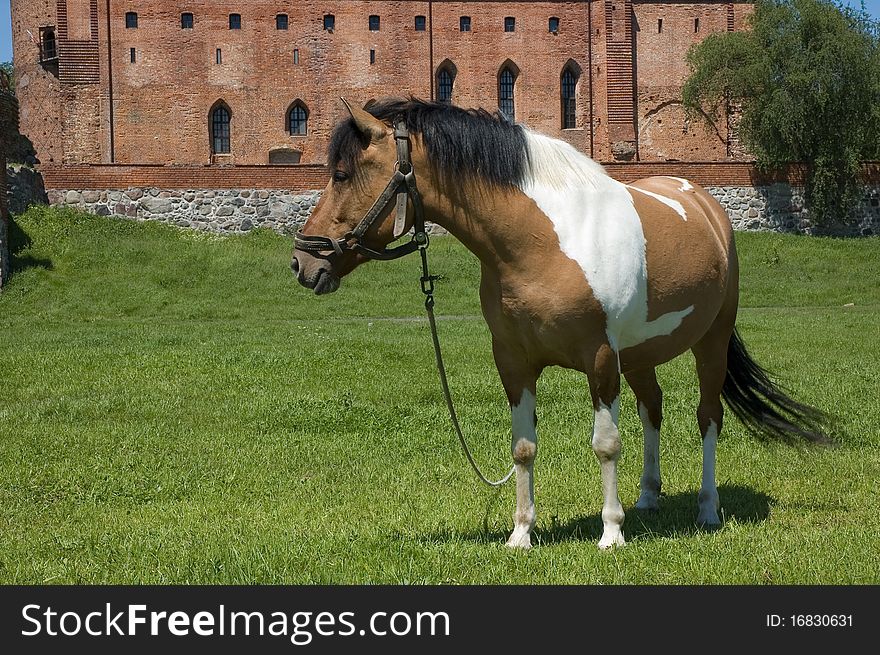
(806, 77)
(176, 409)
(6, 67)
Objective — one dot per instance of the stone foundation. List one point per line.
(780, 208)
(228, 210)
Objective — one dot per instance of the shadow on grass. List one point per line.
(676, 518)
(19, 240)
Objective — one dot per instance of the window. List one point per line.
(372, 56)
(420, 23)
(296, 55)
(186, 21)
(569, 99)
(281, 22)
(284, 156)
(219, 56)
(464, 24)
(374, 23)
(235, 21)
(696, 24)
(48, 45)
(220, 132)
(445, 79)
(298, 120)
(131, 20)
(553, 25)
(506, 81)
(132, 55)
(510, 24)
(659, 26)
(329, 22)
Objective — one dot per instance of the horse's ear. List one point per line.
(366, 123)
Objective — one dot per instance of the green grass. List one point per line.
(176, 409)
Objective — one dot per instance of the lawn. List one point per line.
(176, 409)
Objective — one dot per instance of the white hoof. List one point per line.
(520, 539)
(610, 539)
(709, 503)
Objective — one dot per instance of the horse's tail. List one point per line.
(762, 405)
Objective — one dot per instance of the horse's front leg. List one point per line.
(519, 384)
(605, 391)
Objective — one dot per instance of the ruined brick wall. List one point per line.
(627, 84)
(38, 87)
(8, 129)
(664, 33)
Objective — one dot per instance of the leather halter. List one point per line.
(400, 188)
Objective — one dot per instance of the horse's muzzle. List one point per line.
(320, 280)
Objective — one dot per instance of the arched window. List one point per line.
(48, 45)
(298, 119)
(568, 96)
(221, 133)
(506, 81)
(445, 81)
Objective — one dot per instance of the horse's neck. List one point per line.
(500, 226)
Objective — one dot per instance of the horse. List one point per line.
(577, 270)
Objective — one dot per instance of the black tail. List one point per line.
(762, 405)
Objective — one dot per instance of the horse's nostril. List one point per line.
(294, 266)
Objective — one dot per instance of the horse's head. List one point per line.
(354, 220)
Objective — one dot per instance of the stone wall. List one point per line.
(24, 187)
(776, 207)
(780, 208)
(223, 210)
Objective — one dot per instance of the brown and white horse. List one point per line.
(578, 270)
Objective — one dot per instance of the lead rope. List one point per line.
(428, 289)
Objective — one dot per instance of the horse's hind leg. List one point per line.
(711, 355)
(649, 401)
(519, 384)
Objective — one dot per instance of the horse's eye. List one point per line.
(340, 176)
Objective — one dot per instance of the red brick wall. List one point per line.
(664, 130)
(161, 103)
(294, 178)
(315, 176)
(38, 89)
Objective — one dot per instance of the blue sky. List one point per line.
(873, 7)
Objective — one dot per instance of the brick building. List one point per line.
(257, 81)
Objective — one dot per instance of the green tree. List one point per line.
(806, 78)
(6, 67)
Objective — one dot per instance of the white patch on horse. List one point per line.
(606, 445)
(524, 444)
(650, 482)
(708, 497)
(598, 227)
(669, 202)
(685, 185)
